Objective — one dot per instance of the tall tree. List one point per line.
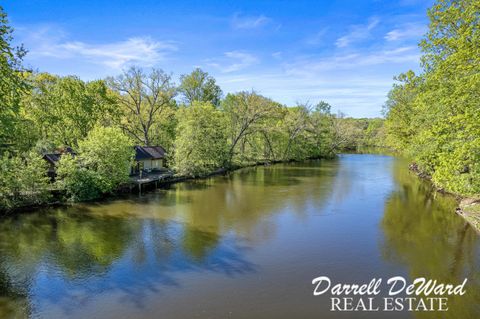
(321, 128)
(246, 113)
(199, 86)
(437, 120)
(144, 100)
(12, 82)
(296, 123)
(201, 142)
(65, 109)
(399, 110)
(23, 181)
(103, 163)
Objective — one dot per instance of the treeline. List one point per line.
(201, 129)
(434, 116)
(355, 133)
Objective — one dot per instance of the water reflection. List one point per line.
(51, 254)
(423, 233)
(260, 232)
(139, 244)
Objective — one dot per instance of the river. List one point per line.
(244, 245)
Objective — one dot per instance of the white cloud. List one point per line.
(143, 51)
(233, 61)
(357, 33)
(356, 95)
(407, 31)
(249, 22)
(313, 65)
(355, 83)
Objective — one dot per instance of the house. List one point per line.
(149, 158)
(53, 158)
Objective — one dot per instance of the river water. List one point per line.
(245, 245)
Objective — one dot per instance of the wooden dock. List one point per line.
(149, 179)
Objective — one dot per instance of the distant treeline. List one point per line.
(434, 116)
(201, 129)
(360, 132)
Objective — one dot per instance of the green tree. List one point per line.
(435, 119)
(102, 164)
(9, 185)
(12, 82)
(247, 113)
(399, 110)
(34, 180)
(295, 124)
(65, 109)
(321, 129)
(23, 181)
(78, 182)
(201, 142)
(109, 153)
(145, 102)
(201, 87)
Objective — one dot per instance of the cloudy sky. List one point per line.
(343, 52)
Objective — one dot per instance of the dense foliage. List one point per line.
(145, 104)
(102, 164)
(23, 180)
(201, 142)
(431, 115)
(63, 109)
(101, 121)
(435, 116)
(12, 82)
(201, 87)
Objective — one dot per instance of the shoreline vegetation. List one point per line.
(99, 123)
(468, 207)
(430, 117)
(433, 117)
(132, 187)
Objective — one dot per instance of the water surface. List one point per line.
(246, 245)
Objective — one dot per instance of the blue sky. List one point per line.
(343, 52)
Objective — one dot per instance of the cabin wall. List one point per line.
(147, 165)
(153, 164)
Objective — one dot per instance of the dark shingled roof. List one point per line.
(52, 158)
(55, 157)
(149, 152)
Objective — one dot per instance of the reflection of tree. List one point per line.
(75, 241)
(136, 245)
(13, 299)
(197, 243)
(423, 232)
(244, 201)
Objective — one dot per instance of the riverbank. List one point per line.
(57, 197)
(206, 235)
(468, 207)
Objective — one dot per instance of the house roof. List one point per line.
(52, 158)
(55, 157)
(149, 152)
